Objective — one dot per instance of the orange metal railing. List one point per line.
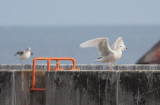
(48, 68)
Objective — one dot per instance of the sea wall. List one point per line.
(83, 67)
(15, 88)
(95, 86)
(103, 88)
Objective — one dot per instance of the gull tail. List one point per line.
(99, 60)
(99, 57)
(16, 54)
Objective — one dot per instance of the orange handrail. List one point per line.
(34, 70)
(48, 68)
(64, 58)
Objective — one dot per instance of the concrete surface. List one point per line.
(15, 88)
(83, 67)
(85, 87)
(103, 88)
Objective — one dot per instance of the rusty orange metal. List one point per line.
(48, 68)
(64, 58)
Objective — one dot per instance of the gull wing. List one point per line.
(102, 45)
(118, 42)
(19, 52)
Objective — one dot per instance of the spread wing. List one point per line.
(19, 52)
(102, 45)
(118, 42)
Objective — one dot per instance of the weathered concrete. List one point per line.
(85, 87)
(84, 67)
(15, 88)
(103, 88)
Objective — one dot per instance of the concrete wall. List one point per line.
(15, 88)
(103, 88)
(84, 67)
(85, 87)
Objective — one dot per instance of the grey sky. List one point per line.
(78, 12)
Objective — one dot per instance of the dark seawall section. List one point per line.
(15, 88)
(103, 88)
(85, 87)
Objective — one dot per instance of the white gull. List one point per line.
(107, 53)
(24, 55)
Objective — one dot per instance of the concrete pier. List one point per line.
(140, 85)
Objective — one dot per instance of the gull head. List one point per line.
(122, 47)
(28, 49)
(120, 44)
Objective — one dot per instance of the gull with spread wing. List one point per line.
(107, 53)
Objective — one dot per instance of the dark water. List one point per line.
(64, 42)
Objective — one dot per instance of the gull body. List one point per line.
(112, 57)
(24, 55)
(107, 53)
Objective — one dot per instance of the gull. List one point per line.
(107, 53)
(24, 55)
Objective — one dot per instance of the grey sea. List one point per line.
(64, 41)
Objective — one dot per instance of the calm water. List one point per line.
(64, 42)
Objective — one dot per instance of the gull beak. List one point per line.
(124, 49)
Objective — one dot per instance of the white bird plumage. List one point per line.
(107, 53)
(24, 55)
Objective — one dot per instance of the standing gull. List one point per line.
(107, 53)
(24, 55)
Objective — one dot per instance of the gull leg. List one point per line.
(110, 65)
(24, 64)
